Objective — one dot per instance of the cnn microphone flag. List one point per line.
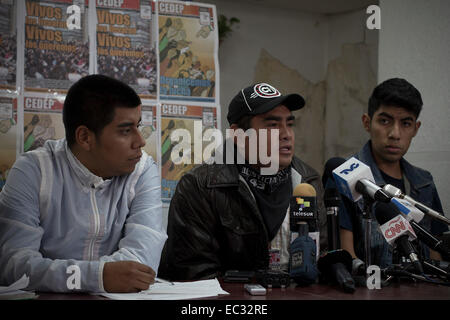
(395, 228)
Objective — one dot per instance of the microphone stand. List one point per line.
(367, 216)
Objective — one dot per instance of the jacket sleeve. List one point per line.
(191, 250)
(437, 227)
(21, 235)
(144, 235)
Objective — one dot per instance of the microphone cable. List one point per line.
(390, 271)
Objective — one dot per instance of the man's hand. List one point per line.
(127, 276)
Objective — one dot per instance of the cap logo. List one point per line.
(264, 90)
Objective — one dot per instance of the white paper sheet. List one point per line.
(173, 291)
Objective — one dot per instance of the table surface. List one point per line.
(403, 290)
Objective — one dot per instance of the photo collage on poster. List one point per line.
(167, 51)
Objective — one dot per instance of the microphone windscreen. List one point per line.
(303, 206)
(330, 165)
(385, 212)
(304, 190)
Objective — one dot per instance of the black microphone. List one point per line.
(330, 165)
(396, 230)
(332, 201)
(375, 192)
(430, 240)
(414, 216)
(396, 192)
(335, 267)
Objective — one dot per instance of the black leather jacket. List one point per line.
(214, 224)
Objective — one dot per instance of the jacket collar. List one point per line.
(86, 177)
(227, 175)
(416, 177)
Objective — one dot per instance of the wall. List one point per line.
(352, 52)
(330, 59)
(415, 44)
(295, 38)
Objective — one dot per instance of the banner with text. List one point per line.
(8, 46)
(125, 44)
(56, 44)
(188, 47)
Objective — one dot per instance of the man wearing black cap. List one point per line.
(231, 216)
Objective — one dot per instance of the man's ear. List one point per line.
(418, 124)
(84, 137)
(366, 122)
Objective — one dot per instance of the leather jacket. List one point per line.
(214, 223)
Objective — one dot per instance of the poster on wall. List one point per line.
(188, 59)
(42, 121)
(149, 126)
(8, 136)
(8, 45)
(125, 44)
(181, 155)
(56, 45)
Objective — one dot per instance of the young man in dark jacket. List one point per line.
(231, 216)
(392, 122)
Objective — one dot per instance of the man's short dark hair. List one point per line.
(91, 102)
(398, 93)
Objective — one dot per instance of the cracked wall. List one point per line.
(330, 123)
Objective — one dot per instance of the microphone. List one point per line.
(411, 213)
(303, 209)
(414, 216)
(367, 187)
(355, 179)
(303, 249)
(332, 201)
(330, 165)
(335, 266)
(397, 231)
(396, 192)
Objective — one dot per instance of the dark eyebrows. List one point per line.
(274, 118)
(408, 119)
(387, 115)
(128, 124)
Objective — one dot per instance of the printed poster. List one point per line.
(42, 121)
(8, 45)
(125, 44)
(196, 120)
(149, 125)
(188, 59)
(56, 46)
(8, 136)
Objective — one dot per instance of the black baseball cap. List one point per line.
(261, 98)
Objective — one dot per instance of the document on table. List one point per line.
(173, 291)
(14, 291)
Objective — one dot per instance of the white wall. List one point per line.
(295, 38)
(350, 27)
(415, 44)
